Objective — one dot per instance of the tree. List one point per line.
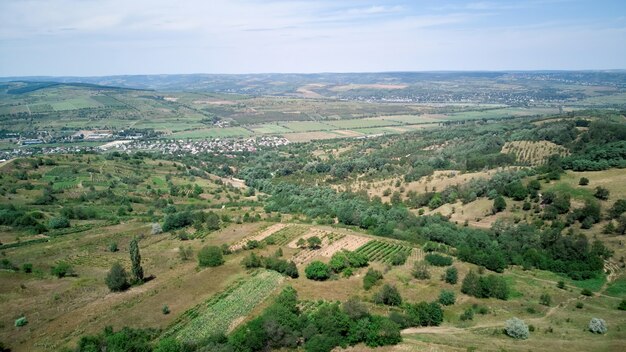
(597, 326)
(601, 193)
(314, 242)
(388, 295)
(517, 329)
(618, 208)
(301, 243)
(499, 204)
(212, 221)
(117, 279)
(447, 297)
(371, 278)
(317, 271)
(451, 275)
(210, 256)
(583, 181)
(135, 259)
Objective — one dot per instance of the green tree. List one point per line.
(447, 297)
(117, 279)
(62, 269)
(317, 270)
(210, 256)
(601, 193)
(451, 275)
(314, 242)
(135, 260)
(388, 295)
(499, 204)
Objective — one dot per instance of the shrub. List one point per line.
(317, 271)
(468, 314)
(420, 271)
(597, 326)
(156, 229)
(438, 260)
(210, 256)
(452, 275)
(583, 181)
(601, 193)
(371, 278)
(586, 292)
(21, 321)
(447, 297)
(27, 268)
(545, 299)
(59, 222)
(517, 329)
(165, 310)
(314, 242)
(62, 269)
(399, 258)
(560, 285)
(579, 305)
(388, 295)
(117, 279)
(113, 247)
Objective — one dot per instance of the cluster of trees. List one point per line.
(283, 325)
(282, 266)
(485, 286)
(200, 219)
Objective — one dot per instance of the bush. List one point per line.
(399, 258)
(388, 295)
(117, 279)
(561, 285)
(499, 204)
(59, 222)
(62, 269)
(447, 297)
(371, 278)
(468, 314)
(165, 310)
(517, 329)
(622, 305)
(452, 275)
(113, 247)
(545, 299)
(210, 256)
(583, 181)
(579, 305)
(601, 193)
(597, 326)
(27, 268)
(586, 292)
(21, 321)
(317, 271)
(438, 260)
(420, 271)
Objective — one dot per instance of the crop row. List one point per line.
(286, 235)
(221, 312)
(382, 251)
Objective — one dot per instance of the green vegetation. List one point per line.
(210, 256)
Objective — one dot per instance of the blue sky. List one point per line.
(105, 37)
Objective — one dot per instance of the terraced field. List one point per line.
(533, 153)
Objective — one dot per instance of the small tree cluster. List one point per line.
(210, 256)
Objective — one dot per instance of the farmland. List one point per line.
(240, 232)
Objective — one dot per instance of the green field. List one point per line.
(212, 133)
(362, 123)
(306, 126)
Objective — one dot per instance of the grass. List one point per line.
(306, 126)
(617, 288)
(576, 192)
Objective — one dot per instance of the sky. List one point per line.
(112, 37)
